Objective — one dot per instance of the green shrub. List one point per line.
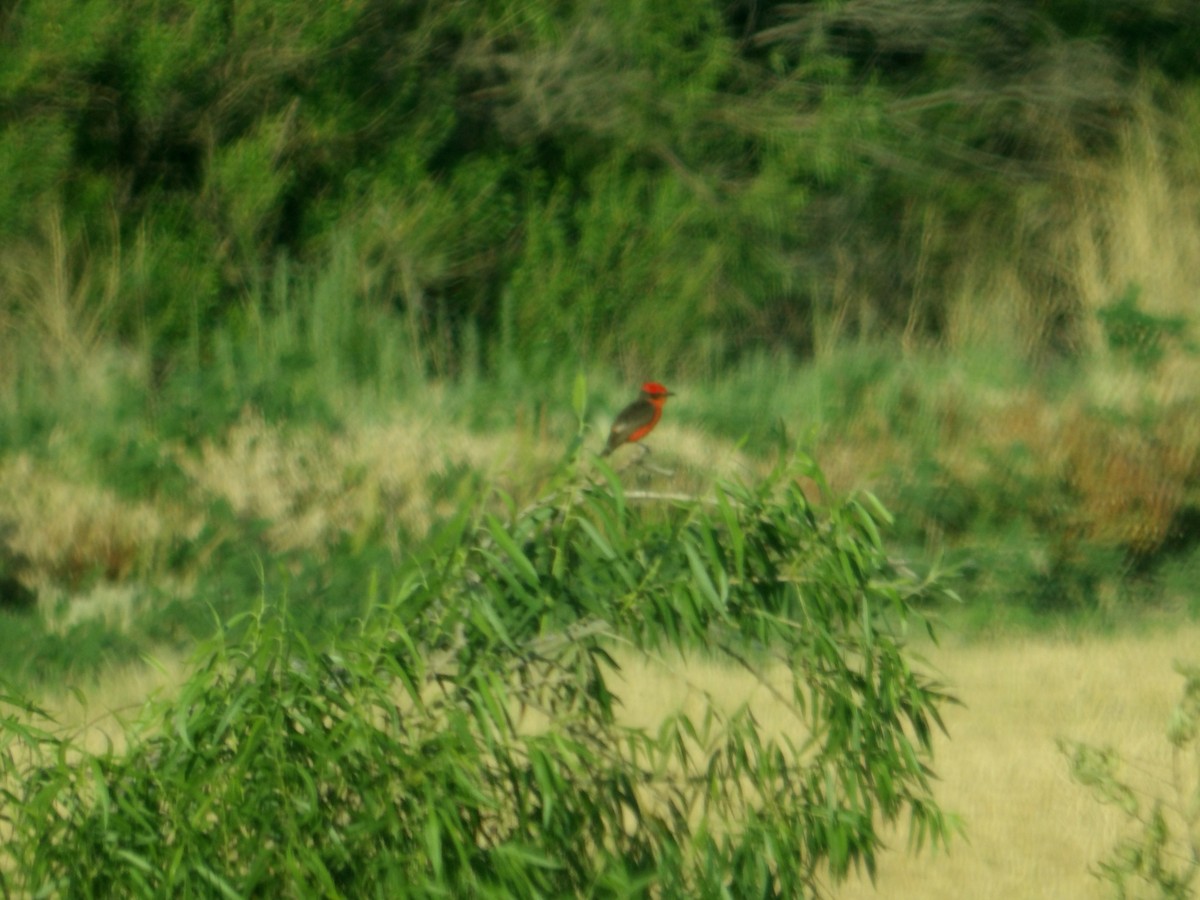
(465, 740)
(673, 183)
(1139, 336)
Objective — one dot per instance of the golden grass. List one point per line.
(311, 485)
(66, 527)
(314, 485)
(1032, 832)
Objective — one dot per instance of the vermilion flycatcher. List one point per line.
(638, 419)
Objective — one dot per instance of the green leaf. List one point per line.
(737, 535)
(878, 510)
(527, 856)
(701, 578)
(868, 525)
(617, 492)
(505, 573)
(598, 539)
(432, 833)
(546, 783)
(136, 860)
(514, 553)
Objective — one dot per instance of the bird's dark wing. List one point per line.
(630, 419)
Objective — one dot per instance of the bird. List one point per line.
(638, 419)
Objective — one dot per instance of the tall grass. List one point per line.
(1056, 476)
(1101, 228)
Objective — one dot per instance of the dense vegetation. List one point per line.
(218, 213)
(468, 740)
(280, 283)
(220, 210)
(664, 184)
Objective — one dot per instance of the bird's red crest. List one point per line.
(654, 389)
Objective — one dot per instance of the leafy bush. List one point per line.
(1137, 335)
(672, 183)
(467, 740)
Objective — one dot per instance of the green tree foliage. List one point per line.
(658, 182)
(1162, 33)
(468, 742)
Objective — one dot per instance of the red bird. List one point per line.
(638, 419)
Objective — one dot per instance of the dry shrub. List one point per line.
(1125, 486)
(1023, 418)
(311, 486)
(67, 529)
(58, 292)
(1127, 495)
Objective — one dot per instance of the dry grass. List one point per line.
(63, 526)
(1106, 225)
(1140, 223)
(1032, 832)
(311, 485)
(55, 290)
(97, 714)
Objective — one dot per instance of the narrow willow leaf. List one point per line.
(617, 492)
(702, 578)
(495, 624)
(504, 573)
(512, 551)
(546, 784)
(878, 510)
(527, 856)
(601, 542)
(868, 525)
(737, 535)
(226, 889)
(432, 834)
(136, 860)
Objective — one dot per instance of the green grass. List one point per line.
(301, 447)
(195, 493)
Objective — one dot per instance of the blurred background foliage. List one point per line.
(660, 184)
(278, 279)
